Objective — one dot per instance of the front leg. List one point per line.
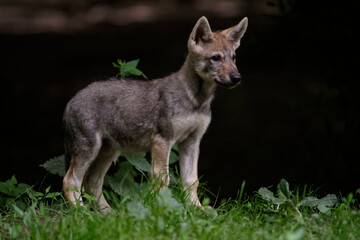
(160, 152)
(189, 155)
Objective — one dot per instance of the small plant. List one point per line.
(10, 192)
(166, 216)
(349, 201)
(47, 195)
(122, 182)
(55, 165)
(127, 69)
(286, 197)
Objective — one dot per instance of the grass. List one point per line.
(169, 216)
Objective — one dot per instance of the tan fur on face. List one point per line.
(223, 44)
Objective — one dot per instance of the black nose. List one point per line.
(235, 78)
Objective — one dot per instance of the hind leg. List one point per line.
(79, 164)
(94, 177)
(73, 179)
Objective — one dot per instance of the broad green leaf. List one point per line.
(137, 210)
(269, 196)
(122, 182)
(328, 201)
(11, 188)
(139, 161)
(39, 194)
(136, 72)
(323, 209)
(166, 199)
(133, 63)
(173, 158)
(47, 189)
(8, 186)
(266, 194)
(127, 69)
(295, 235)
(176, 148)
(21, 188)
(284, 189)
(12, 182)
(55, 165)
(173, 179)
(278, 201)
(309, 202)
(124, 71)
(112, 182)
(127, 188)
(125, 170)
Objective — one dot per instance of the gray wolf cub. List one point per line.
(114, 116)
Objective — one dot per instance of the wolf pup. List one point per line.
(128, 116)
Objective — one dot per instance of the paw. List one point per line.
(207, 207)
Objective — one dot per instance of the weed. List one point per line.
(127, 69)
(168, 215)
(286, 198)
(11, 192)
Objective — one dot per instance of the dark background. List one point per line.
(295, 116)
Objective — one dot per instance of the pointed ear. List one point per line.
(201, 32)
(234, 34)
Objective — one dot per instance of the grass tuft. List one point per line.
(168, 215)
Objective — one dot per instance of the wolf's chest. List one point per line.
(195, 124)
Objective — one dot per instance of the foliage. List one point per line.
(139, 161)
(11, 190)
(47, 195)
(127, 69)
(123, 181)
(55, 165)
(167, 215)
(286, 197)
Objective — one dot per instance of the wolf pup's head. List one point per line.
(213, 53)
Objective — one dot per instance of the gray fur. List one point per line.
(128, 112)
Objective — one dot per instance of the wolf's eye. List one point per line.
(216, 58)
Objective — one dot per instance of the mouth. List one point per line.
(225, 85)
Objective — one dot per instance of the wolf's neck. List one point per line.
(199, 91)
